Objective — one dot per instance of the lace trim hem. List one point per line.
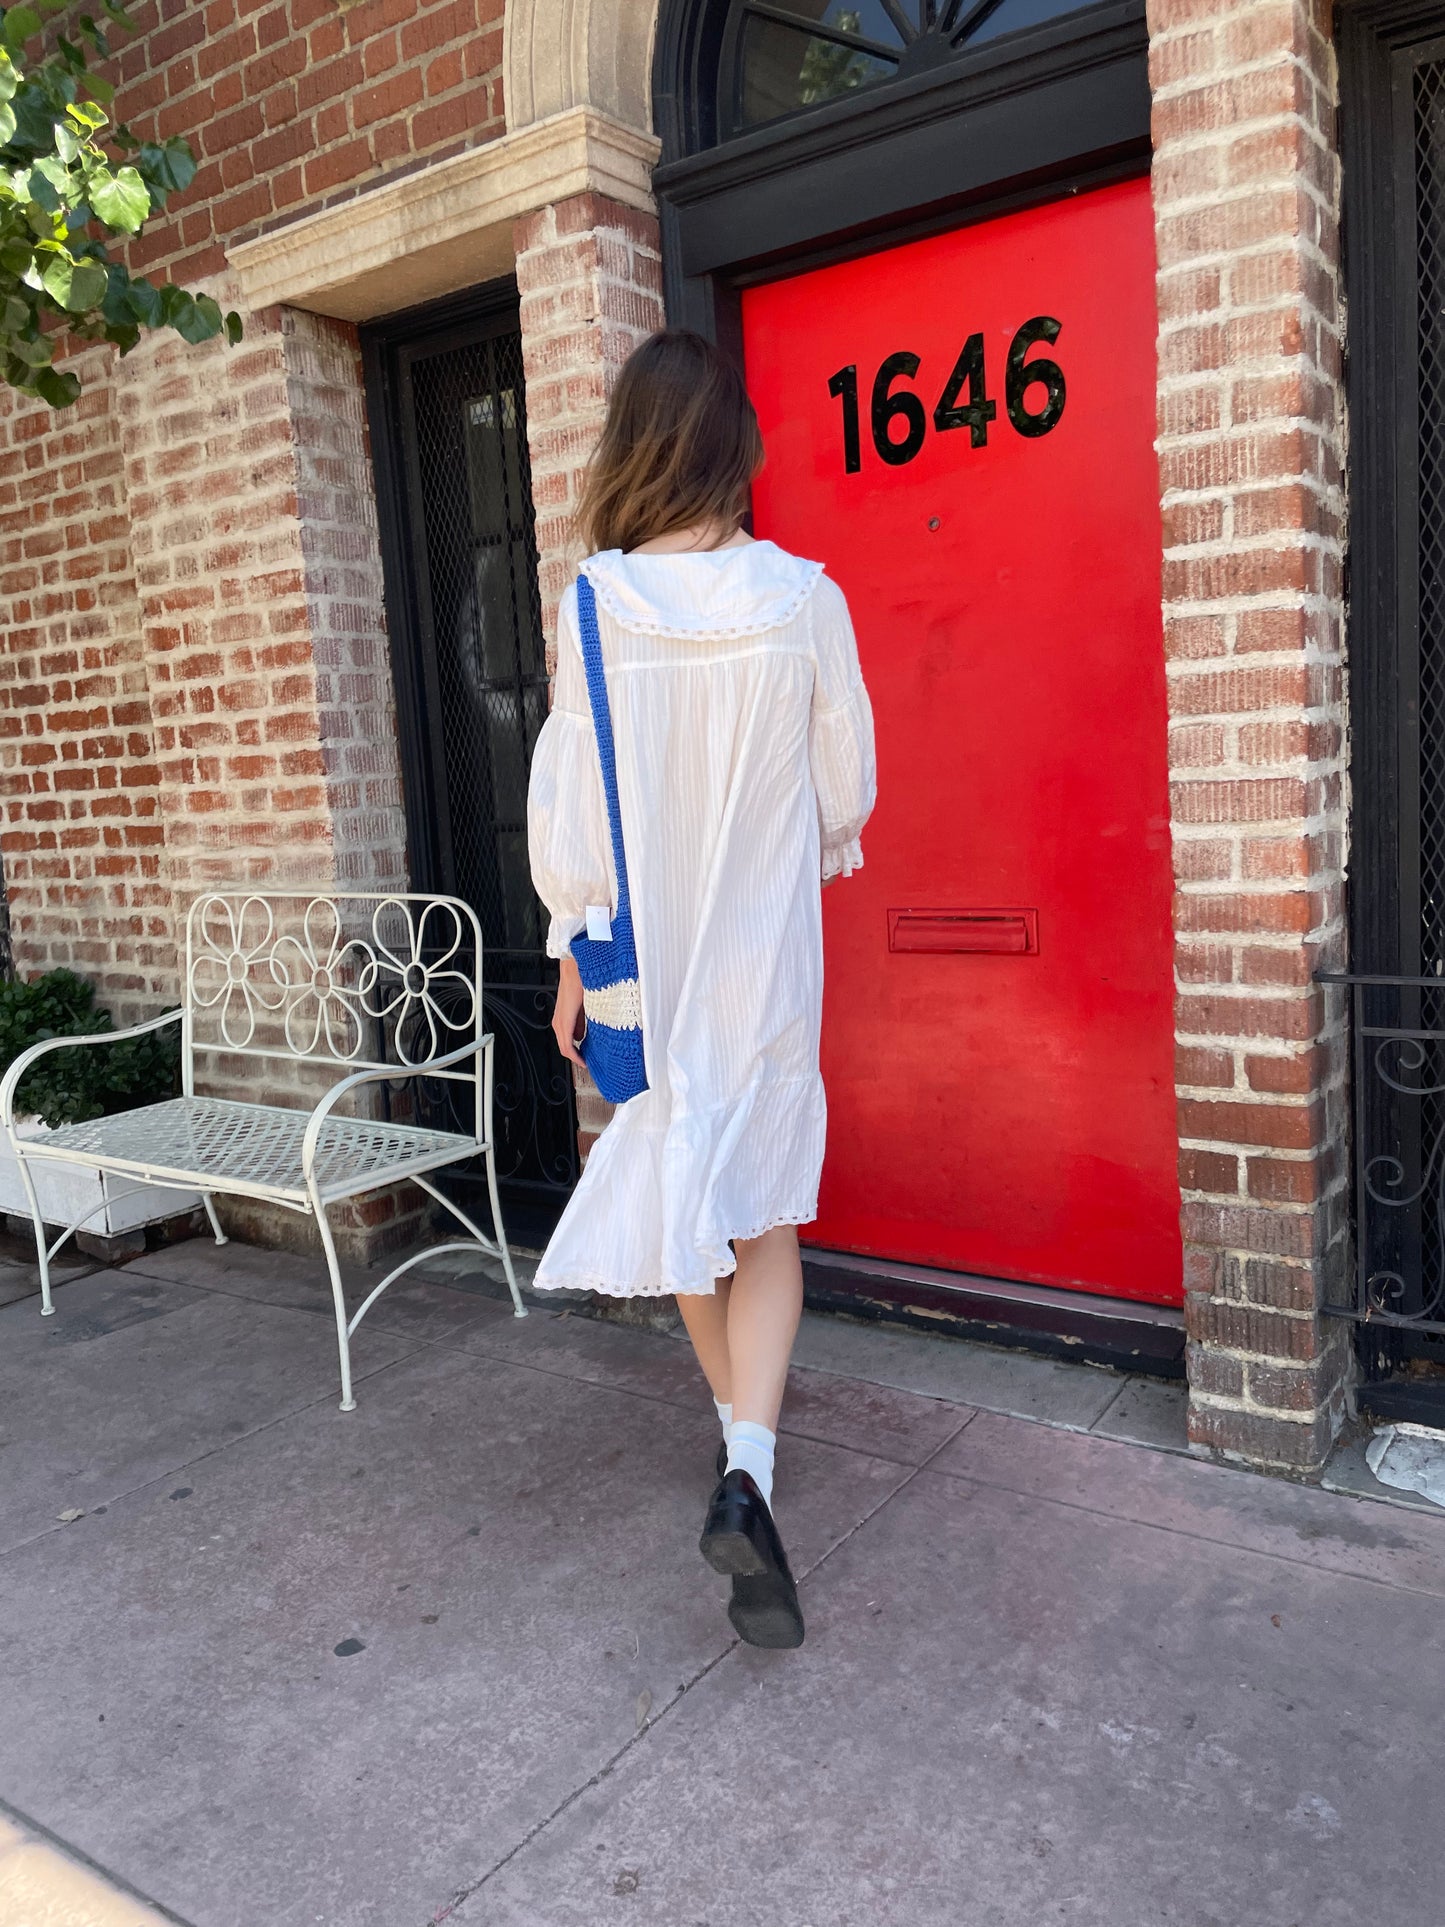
(662, 1288)
(842, 860)
(757, 625)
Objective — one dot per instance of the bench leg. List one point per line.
(42, 1255)
(343, 1340)
(221, 1237)
(497, 1245)
(519, 1310)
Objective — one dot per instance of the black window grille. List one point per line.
(781, 59)
(1428, 102)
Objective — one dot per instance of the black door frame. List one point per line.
(1053, 110)
(488, 310)
(389, 346)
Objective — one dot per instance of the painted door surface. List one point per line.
(962, 430)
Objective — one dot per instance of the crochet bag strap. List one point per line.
(602, 724)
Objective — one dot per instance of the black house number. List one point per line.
(894, 408)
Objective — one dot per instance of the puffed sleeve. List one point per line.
(840, 744)
(567, 836)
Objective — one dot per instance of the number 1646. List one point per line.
(891, 404)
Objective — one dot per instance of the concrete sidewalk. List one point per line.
(454, 1656)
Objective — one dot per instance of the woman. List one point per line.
(744, 756)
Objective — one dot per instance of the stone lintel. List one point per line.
(447, 226)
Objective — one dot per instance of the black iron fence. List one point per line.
(1398, 1103)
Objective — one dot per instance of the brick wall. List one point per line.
(589, 273)
(81, 836)
(290, 105)
(342, 582)
(195, 689)
(253, 527)
(1246, 183)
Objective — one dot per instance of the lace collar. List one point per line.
(703, 593)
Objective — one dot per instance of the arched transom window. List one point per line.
(784, 58)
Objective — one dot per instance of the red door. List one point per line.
(962, 430)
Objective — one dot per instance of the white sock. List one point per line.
(751, 1449)
(724, 1416)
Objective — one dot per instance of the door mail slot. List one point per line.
(1000, 932)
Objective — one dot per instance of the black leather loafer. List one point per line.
(722, 1459)
(740, 1538)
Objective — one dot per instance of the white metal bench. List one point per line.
(387, 988)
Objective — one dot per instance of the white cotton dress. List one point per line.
(745, 770)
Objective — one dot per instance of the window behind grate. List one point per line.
(1429, 107)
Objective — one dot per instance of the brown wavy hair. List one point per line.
(680, 445)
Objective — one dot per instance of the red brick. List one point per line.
(336, 166)
(1283, 1180)
(386, 99)
(1299, 1072)
(1247, 1328)
(1195, 1064)
(1219, 1373)
(1214, 1171)
(1287, 1127)
(1294, 1019)
(1242, 1434)
(449, 119)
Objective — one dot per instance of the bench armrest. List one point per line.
(11, 1081)
(334, 1096)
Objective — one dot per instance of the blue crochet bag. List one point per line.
(611, 1046)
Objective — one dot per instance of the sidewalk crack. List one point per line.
(609, 1766)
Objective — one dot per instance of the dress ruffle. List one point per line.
(666, 1198)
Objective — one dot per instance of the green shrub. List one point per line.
(70, 1086)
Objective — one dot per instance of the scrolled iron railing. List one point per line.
(1397, 1028)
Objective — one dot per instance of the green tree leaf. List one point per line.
(77, 285)
(192, 321)
(58, 388)
(144, 299)
(39, 187)
(21, 24)
(72, 185)
(34, 352)
(121, 200)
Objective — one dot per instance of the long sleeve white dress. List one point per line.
(745, 771)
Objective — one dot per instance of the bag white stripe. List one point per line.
(616, 1006)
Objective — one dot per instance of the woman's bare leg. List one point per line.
(738, 1534)
(764, 1307)
(706, 1319)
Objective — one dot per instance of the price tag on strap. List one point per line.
(599, 923)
